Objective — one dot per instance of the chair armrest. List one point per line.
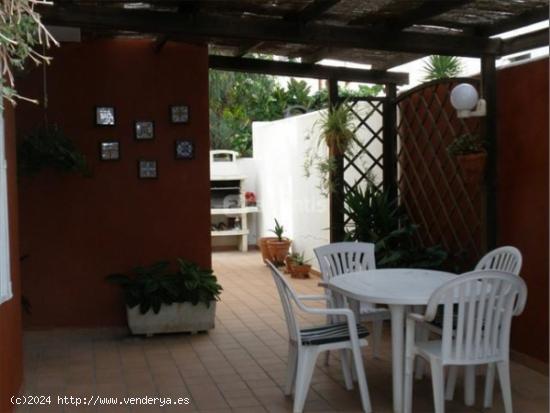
(322, 284)
(314, 297)
(416, 317)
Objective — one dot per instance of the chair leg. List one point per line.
(438, 385)
(346, 369)
(470, 385)
(306, 365)
(408, 383)
(377, 326)
(451, 383)
(327, 358)
(291, 369)
(361, 379)
(503, 369)
(489, 386)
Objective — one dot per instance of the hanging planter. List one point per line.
(472, 167)
(470, 156)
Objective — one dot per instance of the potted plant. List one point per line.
(161, 301)
(262, 243)
(250, 198)
(279, 246)
(337, 133)
(299, 267)
(470, 155)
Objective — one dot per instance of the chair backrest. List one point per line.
(506, 259)
(288, 299)
(478, 310)
(344, 257)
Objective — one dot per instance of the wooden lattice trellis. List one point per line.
(448, 210)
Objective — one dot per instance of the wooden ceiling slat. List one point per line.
(306, 70)
(253, 29)
(526, 41)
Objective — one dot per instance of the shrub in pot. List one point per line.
(299, 267)
(278, 247)
(162, 301)
(471, 157)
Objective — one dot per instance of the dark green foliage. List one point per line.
(150, 287)
(238, 99)
(466, 144)
(378, 219)
(48, 147)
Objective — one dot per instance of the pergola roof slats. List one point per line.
(382, 33)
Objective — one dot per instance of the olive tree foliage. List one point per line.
(238, 99)
(21, 33)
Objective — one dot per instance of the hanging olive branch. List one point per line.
(21, 31)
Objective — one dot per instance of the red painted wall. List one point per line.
(523, 192)
(11, 358)
(77, 230)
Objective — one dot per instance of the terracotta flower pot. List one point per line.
(266, 255)
(288, 262)
(300, 271)
(472, 167)
(278, 250)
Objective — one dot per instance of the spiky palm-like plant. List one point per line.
(442, 67)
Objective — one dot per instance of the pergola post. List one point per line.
(390, 141)
(489, 89)
(336, 190)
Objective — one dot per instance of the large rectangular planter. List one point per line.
(173, 318)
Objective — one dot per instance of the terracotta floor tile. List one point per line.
(240, 366)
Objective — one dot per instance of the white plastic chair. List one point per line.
(305, 344)
(507, 259)
(477, 315)
(345, 257)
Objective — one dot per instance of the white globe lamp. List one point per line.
(465, 99)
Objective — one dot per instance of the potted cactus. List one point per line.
(471, 157)
(279, 246)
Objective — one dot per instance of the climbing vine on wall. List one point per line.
(21, 34)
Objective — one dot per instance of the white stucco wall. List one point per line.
(282, 188)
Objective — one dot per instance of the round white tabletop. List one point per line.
(403, 286)
(398, 288)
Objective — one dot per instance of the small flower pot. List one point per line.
(472, 167)
(300, 271)
(266, 255)
(278, 250)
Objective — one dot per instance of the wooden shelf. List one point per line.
(233, 211)
(229, 232)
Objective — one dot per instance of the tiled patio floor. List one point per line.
(237, 367)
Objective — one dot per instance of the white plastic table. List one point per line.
(397, 288)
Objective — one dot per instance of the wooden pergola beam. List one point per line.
(525, 41)
(427, 10)
(259, 29)
(524, 19)
(271, 67)
(312, 11)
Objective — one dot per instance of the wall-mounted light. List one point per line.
(465, 100)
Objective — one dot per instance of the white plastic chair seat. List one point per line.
(330, 333)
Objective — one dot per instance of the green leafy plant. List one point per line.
(151, 286)
(278, 230)
(442, 67)
(337, 128)
(379, 219)
(21, 31)
(466, 144)
(48, 146)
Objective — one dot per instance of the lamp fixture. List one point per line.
(466, 101)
